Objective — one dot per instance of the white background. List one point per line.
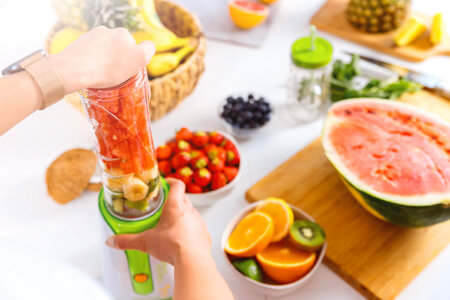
(71, 233)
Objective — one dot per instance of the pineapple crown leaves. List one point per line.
(112, 14)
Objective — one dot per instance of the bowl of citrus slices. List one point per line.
(273, 246)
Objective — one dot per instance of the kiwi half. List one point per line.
(307, 235)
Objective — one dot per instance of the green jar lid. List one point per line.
(305, 56)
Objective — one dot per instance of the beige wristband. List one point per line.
(46, 77)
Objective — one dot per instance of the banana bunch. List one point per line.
(138, 16)
(165, 40)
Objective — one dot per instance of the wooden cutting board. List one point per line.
(377, 258)
(331, 18)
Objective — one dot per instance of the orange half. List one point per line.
(247, 14)
(282, 216)
(251, 236)
(284, 263)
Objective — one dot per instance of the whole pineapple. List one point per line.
(377, 15)
(86, 14)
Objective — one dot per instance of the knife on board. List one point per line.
(434, 83)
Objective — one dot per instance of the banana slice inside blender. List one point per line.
(135, 189)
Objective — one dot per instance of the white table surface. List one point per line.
(71, 232)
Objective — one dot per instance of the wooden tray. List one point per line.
(377, 258)
(331, 18)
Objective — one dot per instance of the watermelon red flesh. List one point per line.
(393, 151)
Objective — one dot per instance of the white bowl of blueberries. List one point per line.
(245, 115)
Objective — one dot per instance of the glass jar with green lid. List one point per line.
(309, 77)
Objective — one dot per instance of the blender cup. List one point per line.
(133, 193)
(120, 121)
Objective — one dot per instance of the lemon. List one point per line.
(63, 38)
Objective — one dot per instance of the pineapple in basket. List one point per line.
(376, 16)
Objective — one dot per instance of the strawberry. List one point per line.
(163, 152)
(214, 152)
(233, 157)
(215, 138)
(194, 188)
(185, 174)
(182, 145)
(200, 162)
(216, 165)
(200, 139)
(180, 160)
(165, 168)
(171, 175)
(172, 145)
(196, 154)
(202, 177)
(228, 145)
(184, 134)
(218, 180)
(230, 173)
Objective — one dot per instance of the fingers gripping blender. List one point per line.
(133, 193)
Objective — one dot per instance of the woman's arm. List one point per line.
(181, 239)
(98, 59)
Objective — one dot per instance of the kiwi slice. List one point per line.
(307, 235)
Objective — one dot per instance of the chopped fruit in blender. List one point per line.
(200, 139)
(115, 183)
(184, 134)
(218, 180)
(216, 165)
(149, 175)
(194, 188)
(139, 205)
(200, 162)
(165, 168)
(215, 138)
(180, 160)
(182, 145)
(230, 173)
(185, 175)
(135, 189)
(202, 177)
(163, 152)
(118, 205)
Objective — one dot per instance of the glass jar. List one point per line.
(309, 78)
(120, 122)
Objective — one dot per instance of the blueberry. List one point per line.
(240, 100)
(258, 115)
(248, 115)
(250, 96)
(238, 106)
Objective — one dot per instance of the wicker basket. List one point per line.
(172, 88)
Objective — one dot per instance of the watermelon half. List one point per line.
(394, 158)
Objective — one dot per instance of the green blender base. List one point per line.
(138, 262)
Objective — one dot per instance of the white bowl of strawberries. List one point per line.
(208, 162)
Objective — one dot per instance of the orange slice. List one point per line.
(284, 263)
(247, 14)
(252, 234)
(281, 214)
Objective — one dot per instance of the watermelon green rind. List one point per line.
(403, 215)
(410, 211)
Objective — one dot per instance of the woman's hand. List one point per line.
(101, 58)
(180, 231)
